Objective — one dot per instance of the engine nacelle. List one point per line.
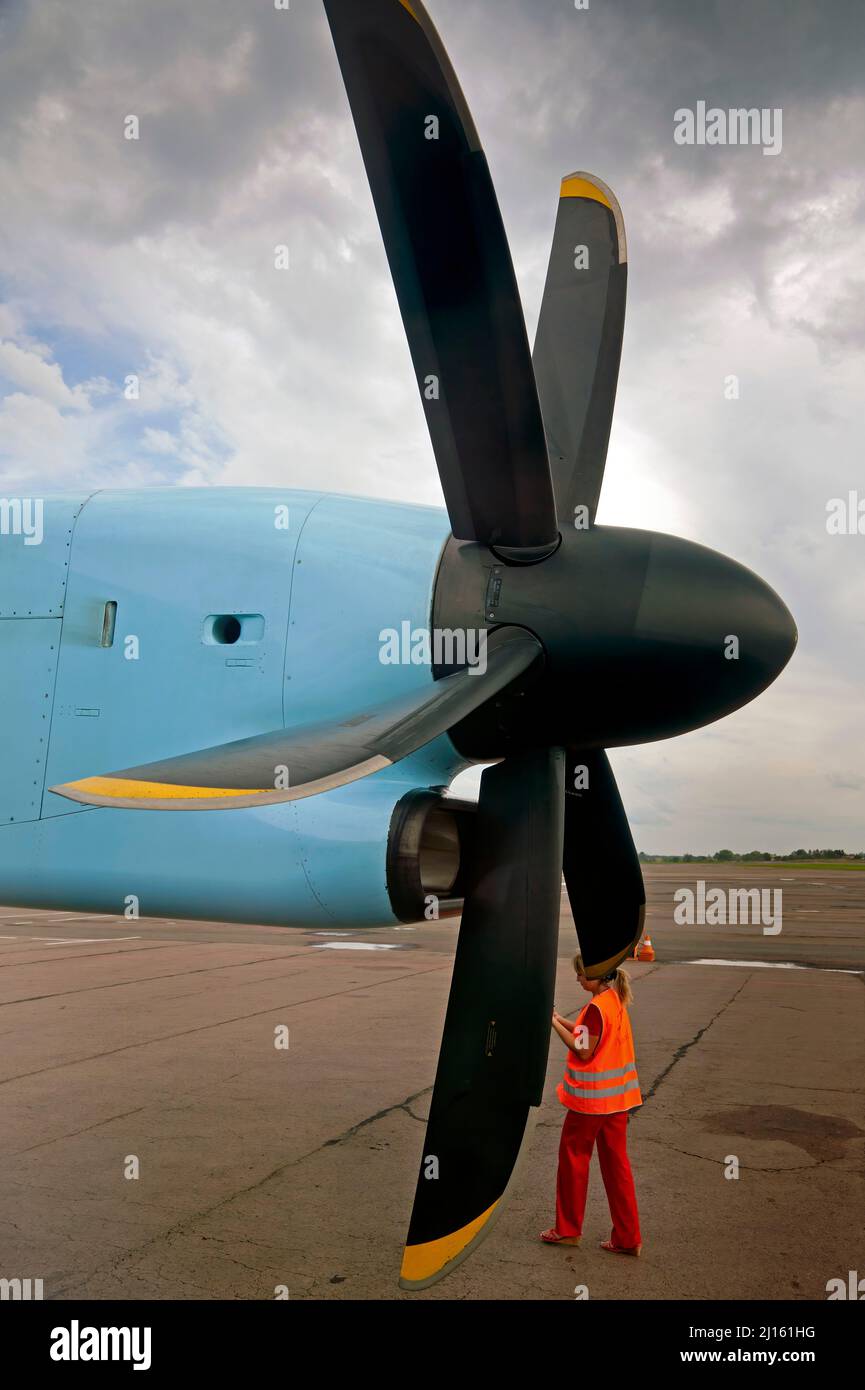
(428, 854)
(155, 622)
(365, 855)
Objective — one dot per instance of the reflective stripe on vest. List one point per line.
(603, 1075)
(602, 1090)
(608, 1082)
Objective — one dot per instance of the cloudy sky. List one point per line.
(156, 257)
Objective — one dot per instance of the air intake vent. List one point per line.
(429, 849)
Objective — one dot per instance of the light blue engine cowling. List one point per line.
(237, 611)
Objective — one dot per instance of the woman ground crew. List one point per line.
(599, 1087)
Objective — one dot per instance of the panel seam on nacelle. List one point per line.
(294, 557)
(88, 498)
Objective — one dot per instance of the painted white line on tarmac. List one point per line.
(769, 965)
(72, 940)
(50, 919)
(357, 946)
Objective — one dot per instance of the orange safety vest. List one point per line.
(608, 1082)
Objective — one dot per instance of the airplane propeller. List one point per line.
(598, 637)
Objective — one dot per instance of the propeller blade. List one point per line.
(452, 271)
(493, 1057)
(579, 340)
(314, 758)
(602, 871)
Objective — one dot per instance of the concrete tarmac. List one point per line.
(148, 1046)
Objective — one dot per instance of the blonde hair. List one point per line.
(619, 979)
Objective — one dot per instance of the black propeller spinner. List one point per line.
(597, 636)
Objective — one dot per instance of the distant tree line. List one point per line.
(753, 856)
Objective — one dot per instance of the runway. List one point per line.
(263, 1168)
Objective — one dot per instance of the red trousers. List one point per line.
(579, 1134)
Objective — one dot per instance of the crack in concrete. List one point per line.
(109, 1119)
(822, 1090)
(181, 1227)
(73, 1134)
(686, 1047)
(743, 1167)
(371, 1119)
(408, 1110)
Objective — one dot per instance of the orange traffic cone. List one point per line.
(646, 950)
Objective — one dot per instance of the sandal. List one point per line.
(552, 1237)
(620, 1249)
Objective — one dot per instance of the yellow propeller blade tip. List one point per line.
(422, 1264)
(578, 186)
